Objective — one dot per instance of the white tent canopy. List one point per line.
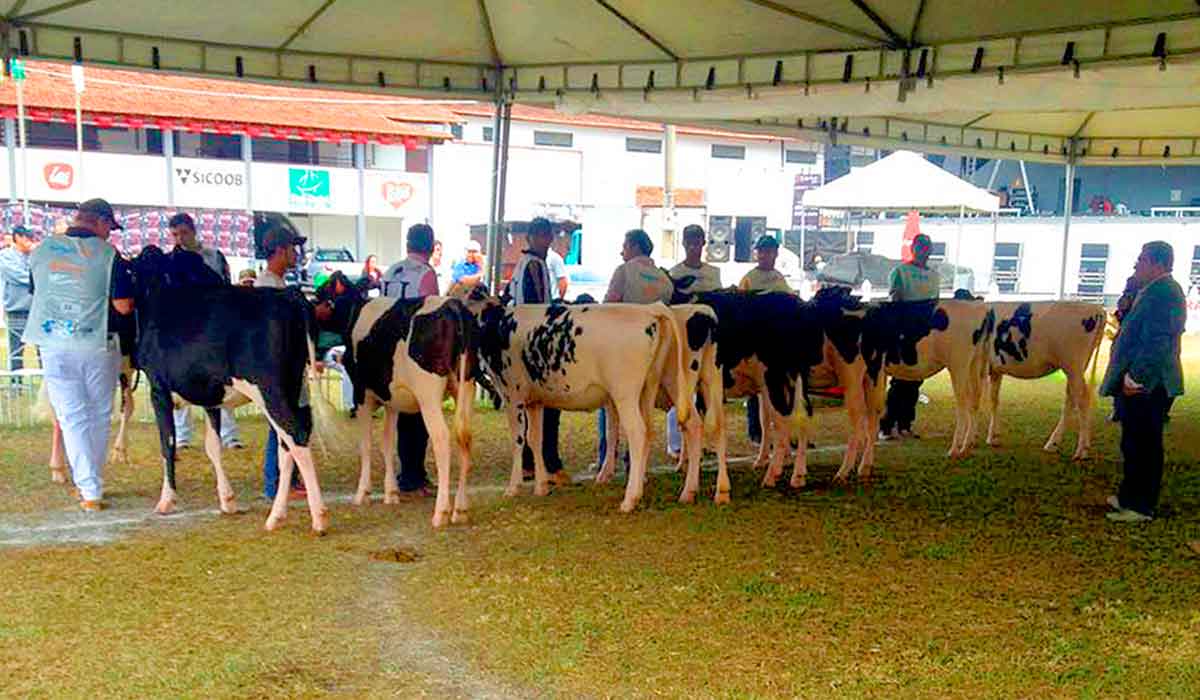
(902, 181)
(1113, 82)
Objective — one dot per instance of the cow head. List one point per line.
(338, 303)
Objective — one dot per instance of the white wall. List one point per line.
(598, 179)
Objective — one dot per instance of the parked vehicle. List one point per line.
(325, 261)
(853, 269)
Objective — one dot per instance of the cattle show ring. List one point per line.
(683, 486)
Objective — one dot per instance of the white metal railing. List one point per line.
(1176, 212)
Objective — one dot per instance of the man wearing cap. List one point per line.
(412, 278)
(282, 248)
(762, 278)
(247, 277)
(692, 276)
(80, 288)
(469, 270)
(183, 230)
(18, 293)
(911, 281)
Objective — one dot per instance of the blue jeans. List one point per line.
(602, 426)
(674, 434)
(271, 467)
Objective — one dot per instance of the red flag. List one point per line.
(912, 226)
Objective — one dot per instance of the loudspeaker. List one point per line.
(758, 227)
(720, 238)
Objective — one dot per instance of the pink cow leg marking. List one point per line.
(226, 499)
(362, 494)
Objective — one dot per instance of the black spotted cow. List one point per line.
(580, 358)
(407, 355)
(1033, 339)
(700, 370)
(957, 340)
(208, 344)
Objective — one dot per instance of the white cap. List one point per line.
(473, 245)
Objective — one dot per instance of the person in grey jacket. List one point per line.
(18, 291)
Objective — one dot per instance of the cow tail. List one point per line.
(683, 398)
(1098, 337)
(464, 403)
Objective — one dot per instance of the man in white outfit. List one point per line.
(80, 287)
(183, 229)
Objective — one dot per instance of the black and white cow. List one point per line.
(1033, 339)
(580, 358)
(209, 342)
(407, 356)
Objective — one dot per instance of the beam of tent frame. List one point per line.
(874, 60)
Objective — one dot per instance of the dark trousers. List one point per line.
(271, 467)
(901, 405)
(550, 418)
(412, 439)
(753, 420)
(1142, 450)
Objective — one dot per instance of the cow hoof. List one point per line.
(459, 517)
(58, 476)
(321, 523)
(361, 498)
(542, 489)
(799, 482)
(165, 507)
(1049, 448)
(1079, 456)
(768, 481)
(229, 507)
(510, 492)
(439, 519)
(992, 442)
(273, 522)
(561, 478)
(628, 506)
(687, 497)
(603, 478)
(721, 498)
(391, 497)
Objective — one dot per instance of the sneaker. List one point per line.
(183, 445)
(416, 494)
(1128, 516)
(1113, 502)
(887, 436)
(91, 506)
(908, 434)
(234, 444)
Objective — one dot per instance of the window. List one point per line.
(456, 130)
(301, 152)
(95, 138)
(558, 139)
(636, 145)
(1194, 277)
(860, 156)
(939, 252)
(1006, 267)
(796, 156)
(416, 160)
(864, 241)
(227, 146)
(720, 150)
(1093, 269)
(487, 134)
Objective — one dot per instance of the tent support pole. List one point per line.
(501, 238)
(992, 273)
(958, 242)
(493, 239)
(1070, 192)
(803, 216)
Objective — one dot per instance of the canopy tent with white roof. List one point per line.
(1074, 81)
(902, 181)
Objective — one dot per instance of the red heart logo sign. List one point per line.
(397, 193)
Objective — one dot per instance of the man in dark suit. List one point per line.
(1145, 370)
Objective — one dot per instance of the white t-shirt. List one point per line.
(558, 268)
(266, 278)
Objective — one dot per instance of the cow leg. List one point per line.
(855, 422)
(612, 443)
(212, 446)
(630, 413)
(693, 443)
(721, 495)
(160, 398)
(516, 428)
(391, 490)
(776, 432)
(463, 443)
(1078, 403)
(764, 417)
(962, 419)
(120, 448)
(533, 437)
(439, 436)
(308, 471)
(993, 439)
(800, 464)
(362, 494)
(872, 410)
(279, 506)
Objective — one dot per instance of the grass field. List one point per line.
(995, 576)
